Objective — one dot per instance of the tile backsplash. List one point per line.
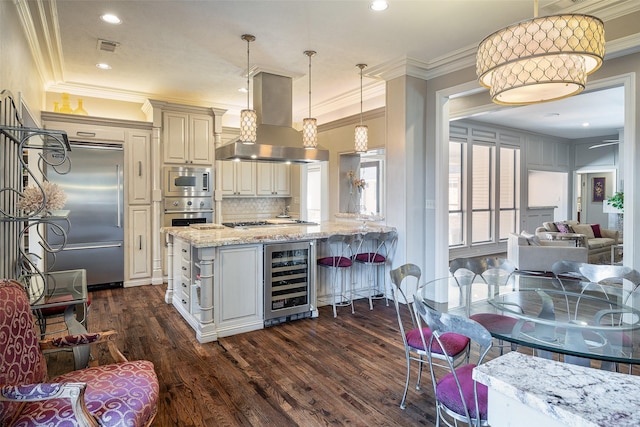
(253, 208)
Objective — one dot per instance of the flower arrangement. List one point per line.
(33, 198)
(357, 183)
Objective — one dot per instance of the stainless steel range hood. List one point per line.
(277, 140)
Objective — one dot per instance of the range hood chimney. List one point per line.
(277, 140)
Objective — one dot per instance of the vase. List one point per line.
(80, 110)
(66, 106)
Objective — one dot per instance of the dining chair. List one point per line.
(119, 394)
(414, 338)
(627, 281)
(494, 272)
(459, 398)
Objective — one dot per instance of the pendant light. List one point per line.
(541, 59)
(309, 125)
(248, 117)
(361, 137)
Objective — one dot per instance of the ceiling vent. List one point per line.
(107, 45)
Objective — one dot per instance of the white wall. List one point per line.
(18, 72)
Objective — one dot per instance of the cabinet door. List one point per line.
(245, 178)
(200, 136)
(139, 242)
(239, 300)
(282, 179)
(227, 178)
(138, 147)
(264, 182)
(174, 138)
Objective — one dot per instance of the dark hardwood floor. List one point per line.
(313, 372)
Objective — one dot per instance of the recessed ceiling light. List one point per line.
(111, 19)
(243, 90)
(585, 124)
(103, 66)
(378, 5)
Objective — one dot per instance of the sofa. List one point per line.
(528, 252)
(596, 239)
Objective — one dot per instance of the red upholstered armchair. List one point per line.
(119, 394)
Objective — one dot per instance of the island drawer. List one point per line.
(184, 249)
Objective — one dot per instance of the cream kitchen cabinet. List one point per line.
(137, 154)
(274, 179)
(139, 247)
(237, 178)
(187, 138)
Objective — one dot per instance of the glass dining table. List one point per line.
(578, 319)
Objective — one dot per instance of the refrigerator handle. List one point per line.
(118, 198)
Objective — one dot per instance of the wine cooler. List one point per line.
(289, 270)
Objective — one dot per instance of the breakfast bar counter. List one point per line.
(213, 235)
(216, 273)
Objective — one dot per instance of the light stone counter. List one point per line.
(207, 235)
(531, 391)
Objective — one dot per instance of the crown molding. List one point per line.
(39, 21)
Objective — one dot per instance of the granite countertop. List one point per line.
(573, 395)
(206, 235)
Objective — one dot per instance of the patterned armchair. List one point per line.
(124, 393)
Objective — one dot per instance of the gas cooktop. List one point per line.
(267, 223)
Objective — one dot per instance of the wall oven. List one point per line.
(183, 214)
(289, 284)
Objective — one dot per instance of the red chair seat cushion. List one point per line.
(122, 394)
(454, 344)
(447, 393)
(338, 261)
(370, 257)
(498, 323)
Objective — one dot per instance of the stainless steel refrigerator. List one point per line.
(95, 239)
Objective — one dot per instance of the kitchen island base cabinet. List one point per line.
(217, 290)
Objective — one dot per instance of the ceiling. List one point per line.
(189, 51)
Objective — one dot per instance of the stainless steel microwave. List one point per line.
(180, 181)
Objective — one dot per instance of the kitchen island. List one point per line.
(215, 273)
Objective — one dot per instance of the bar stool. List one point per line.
(340, 250)
(376, 250)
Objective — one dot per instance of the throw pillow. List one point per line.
(564, 228)
(584, 229)
(596, 230)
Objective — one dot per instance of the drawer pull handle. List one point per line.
(184, 250)
(184, 268)
(184, 285)
(184, 302)
(80, 133)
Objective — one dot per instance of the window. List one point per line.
(372, 171)
(509, 191)
(481, 193)
(456, 176)
(484, 192)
